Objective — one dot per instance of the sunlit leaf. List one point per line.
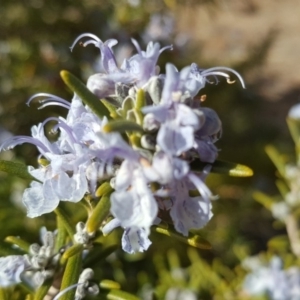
(64, 219)
(277, 159)
(99, 214)
(264, 199)
(121, 126)
(279, 243)
(43, 290)
(223, 167)
(85, 94)
(119, 295)
(71, 276)
(73, 250)
(109, 284)
(15, 168)
(192, 240)
(18, 242)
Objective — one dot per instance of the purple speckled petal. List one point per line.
(135, 240)
(188, 213)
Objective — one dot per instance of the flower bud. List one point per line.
(100, 85)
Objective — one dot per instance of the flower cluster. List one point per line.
(33, 268)
(272, 280)
(149, 169)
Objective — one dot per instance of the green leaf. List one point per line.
(85, 94)
(127, 105)
(111, 108)
(99, 214)
(98, 254)
(19, 242)
(4, 294)
(73, 250)
(140, 99)
(43, 290)
(192, 240)
(223, 167)
(279, 243)
(294, 127)
(62, 234)
(65, 221)
(282, 187)
(71, 276)
(15, 168)
(121, 126)
(119, 295)
(277, 159)
(109, 284)
(6, 250)
(104, 189)
(264, 199)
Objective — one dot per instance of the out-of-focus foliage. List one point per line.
(35, 37)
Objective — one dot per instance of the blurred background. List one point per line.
(260, 39)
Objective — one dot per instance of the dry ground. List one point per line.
(227, 32)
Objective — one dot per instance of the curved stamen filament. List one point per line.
(51, 100)
(166, 48)
(63, 125)
(22, 139)
(48, 102)
(91, 35)
(216, 71)
(66, 290)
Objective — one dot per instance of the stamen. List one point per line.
(230, 81)
(215, 71)
(166, 48)
(93, 36)
(216, 74)
(49, 103)
(66, 290)
(21, 139)
(203, 98)
(63, 125)
(52, 99)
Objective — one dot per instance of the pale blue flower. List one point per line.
(135, 240)
(136, 70)
(178, 121)
(294, 112)
(199, 77)
(142, 66)
(11, 269)
(189, 212)
(133, 203)
(274, 281)
(107, 56)
(33, 268)
(177, 131)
